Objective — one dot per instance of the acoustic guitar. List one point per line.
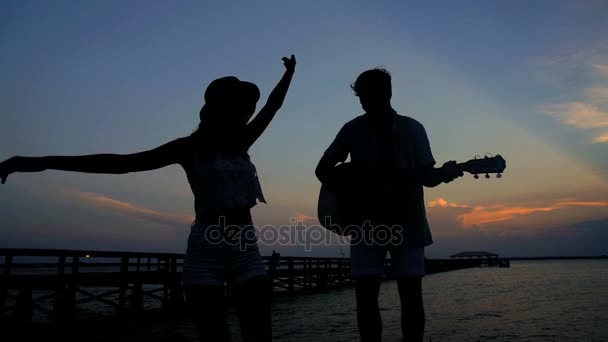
(338, 206)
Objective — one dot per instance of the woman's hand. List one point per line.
(9, 166)
(290, 63)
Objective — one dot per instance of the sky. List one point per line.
(526, 80)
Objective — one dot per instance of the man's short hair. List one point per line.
(373, 82)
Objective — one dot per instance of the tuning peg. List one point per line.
(487, 175)
(498, 175)
(476, 176)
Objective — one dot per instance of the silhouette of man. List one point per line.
(391, 161)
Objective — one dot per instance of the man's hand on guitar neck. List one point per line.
(431, 177)
(451, 170)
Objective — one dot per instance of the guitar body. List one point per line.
(338, 210)
(335, 205)
(343, 205)
(327, 207)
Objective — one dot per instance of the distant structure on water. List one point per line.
(482, 258)
(474, 254)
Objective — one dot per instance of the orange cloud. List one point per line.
(483, 215)
(306, 218)
(601, 138)
(131, 209)
(582, 204)
(441, 202)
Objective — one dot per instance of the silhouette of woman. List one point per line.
(222, 245)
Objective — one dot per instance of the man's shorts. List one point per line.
(367, 260)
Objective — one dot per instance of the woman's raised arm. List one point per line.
(256, 127)
(167, 154)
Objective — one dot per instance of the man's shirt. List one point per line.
(392, 142)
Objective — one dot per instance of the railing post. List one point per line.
(291, 274)
(165, 305)
(310, 274)
(8, 261)
(306, 273)
(340, 273)
(176, 295)
(70, 299)
(137, 296)
(23, 310)
(323, 275)
(124, 283)
(65, 299)
(173, 265)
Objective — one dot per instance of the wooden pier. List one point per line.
(68, 279)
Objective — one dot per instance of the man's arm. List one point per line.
(336, 153)
(427, 174)
(159, 157)
(431, 177)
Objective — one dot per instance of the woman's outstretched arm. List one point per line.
(256, 127)
(167, 154)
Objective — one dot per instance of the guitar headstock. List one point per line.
(487, 164)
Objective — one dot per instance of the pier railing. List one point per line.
(56, 283)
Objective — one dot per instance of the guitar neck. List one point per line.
(495, 164)
(462, 167)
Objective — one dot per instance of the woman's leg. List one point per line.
(252, 299)
(207, 306)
